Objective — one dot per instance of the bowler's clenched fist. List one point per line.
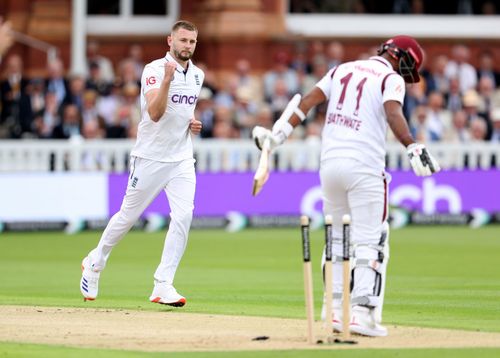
(169, 71)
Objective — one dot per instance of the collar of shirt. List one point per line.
(381, 59)
(169, 58)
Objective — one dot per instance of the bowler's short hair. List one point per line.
(186, 25)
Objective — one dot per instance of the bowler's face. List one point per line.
(182, 44)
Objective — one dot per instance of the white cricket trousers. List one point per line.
(146, 180)
(351, 187)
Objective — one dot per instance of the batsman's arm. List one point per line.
(285, 125)
(397, 122)
(422, 162)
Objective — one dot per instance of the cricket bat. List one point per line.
(262, 172)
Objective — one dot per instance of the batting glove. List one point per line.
(421, 161)
(261, 134)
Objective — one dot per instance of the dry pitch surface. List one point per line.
(169, 330)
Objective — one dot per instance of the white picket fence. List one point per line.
(214, 155)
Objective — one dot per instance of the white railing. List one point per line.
(111, 155)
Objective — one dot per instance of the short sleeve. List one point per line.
(325, 84)
(394, 88)
(151, 79)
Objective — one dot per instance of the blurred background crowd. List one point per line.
(455, 101)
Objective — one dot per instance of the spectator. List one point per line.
(495, 119)
(105, 65)
(70, 125)
(205, 112)
(89, 110)
(334, 54)
(108, 105)
(436, 79)
(280, 98)
(248, 81)
(96, 81)
(459, 133)
(486, 68)
(454, 96)
(418, 124)
(14, 100)
(471, 103)
(56, 82)
(45, 122)
(438, 118)
(478, 130)
(76, 90)
(460, 68)
(415, 96)
(244, 112)
(486, 93)
(280, 72)
(128, 74)
(135, 55)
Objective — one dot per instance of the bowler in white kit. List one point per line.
(162, 159)
(364, 99)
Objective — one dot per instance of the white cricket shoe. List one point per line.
(166, 294)
(89, 284)
(336, 318)
(363, 323)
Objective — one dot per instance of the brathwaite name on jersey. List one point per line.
(342, 120)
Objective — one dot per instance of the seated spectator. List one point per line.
(135, 54)
(250, 82)
(458, 67)
(244, 112)
(436, 79)
(486, 68)
(105, 65)
(459, 133)
(204, 112)
(415, 96)
(418, 124)
(96, 81)
(70, 125)
(478, 130)
(471, 103)
(334, 54)
(279, 99)
(56, 81)
(495, 119)
(280, 72)
(48, 118)
(453, 98)
(13, 98)
(128, 74)
(438, 118)
(76, 91)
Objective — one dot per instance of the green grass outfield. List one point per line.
(443, 277)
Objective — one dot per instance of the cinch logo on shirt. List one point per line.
(184, 99)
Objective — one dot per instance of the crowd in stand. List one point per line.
(455, 102)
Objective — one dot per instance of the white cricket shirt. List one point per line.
(355, 123)
(169, 139)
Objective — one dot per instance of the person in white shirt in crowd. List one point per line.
(364, 99)
(459, 131)
(460, 68)
(161, 160)
(105, 65)
(438, 118)
(471, 102)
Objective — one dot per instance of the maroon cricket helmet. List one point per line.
(408, 52)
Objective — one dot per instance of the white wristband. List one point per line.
(299, 114)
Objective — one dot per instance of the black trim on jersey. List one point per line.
(335, 69)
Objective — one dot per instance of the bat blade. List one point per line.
(262, 173)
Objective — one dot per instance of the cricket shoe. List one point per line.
(166, 294)
(363, 323)
(89, 284)
(336, 318)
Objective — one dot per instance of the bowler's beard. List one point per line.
(181, 55)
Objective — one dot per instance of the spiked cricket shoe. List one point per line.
(363, 323)
(89, 284)
(166, 294)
